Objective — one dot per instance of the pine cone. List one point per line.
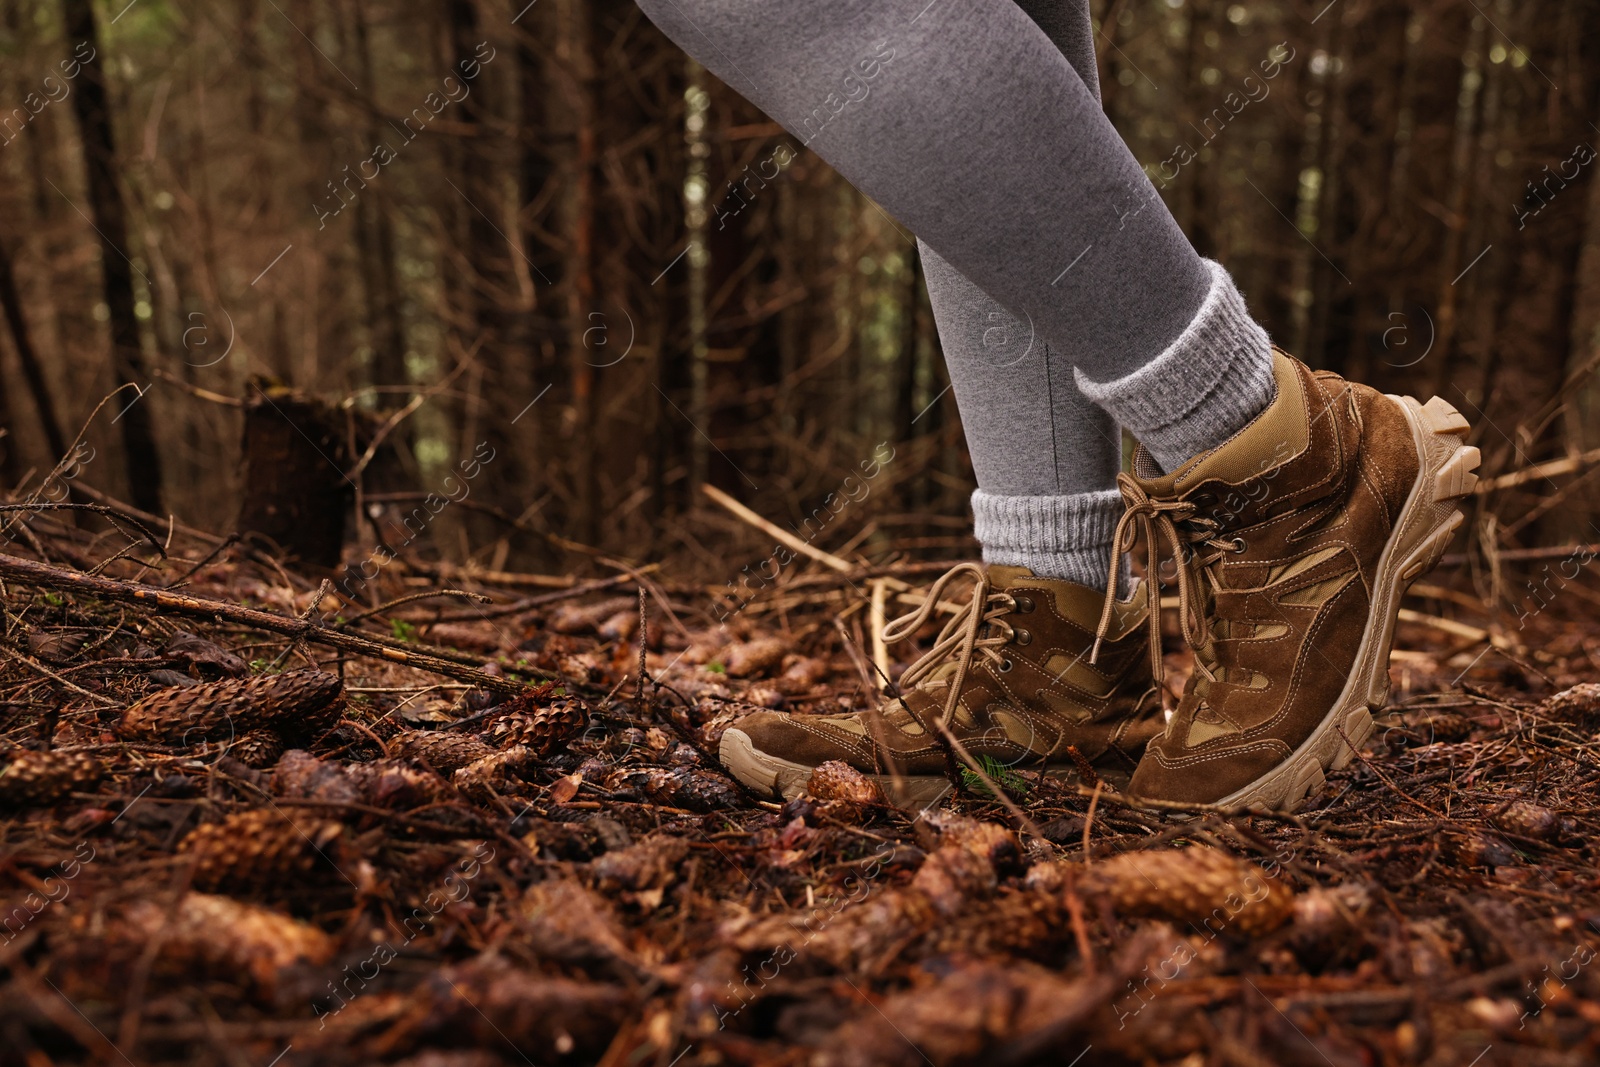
(257, 748)
(620, 626)
(804, 675)
(953, 877)
(296, 704)
(441, 750)
(542, 730)
(653, 863)
(1192, 885)
(844, 793)
(677, 787)
(257, 849)
(1325, 919)
(498, 771)
(224, 937)
(837, 780)
(717, 724)
(765, 695)
(300, 774)
(757, 658)
(994, 843)
(1528, 820)
(28, 777)
(1474, 849)
(563, 921)
(393, 784)
(1580, 703)
(1012, 924)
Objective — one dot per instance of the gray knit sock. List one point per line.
(1210, 382)
(1067, 537)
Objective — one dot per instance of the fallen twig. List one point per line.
(429, 594)
(805, 548)
(517, 607)
(433, 660)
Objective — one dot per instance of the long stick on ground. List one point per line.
(880, 648)
(436, 661)
(805, 548)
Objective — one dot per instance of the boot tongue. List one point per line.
(1079, 603)
(1004, 576)
(1275, 436)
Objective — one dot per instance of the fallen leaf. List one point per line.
(566, 788)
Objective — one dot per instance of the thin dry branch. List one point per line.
(426, 658)
(805, 548)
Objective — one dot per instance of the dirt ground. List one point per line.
(247, 847)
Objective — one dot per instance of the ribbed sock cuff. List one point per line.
(1066, 537)
(1209, 383)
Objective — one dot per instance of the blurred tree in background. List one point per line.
(542, 235)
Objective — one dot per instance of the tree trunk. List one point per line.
(539, 183)
(18, 87)
(698, 196)
(490, 299)
(1330, 288)
(1451, 263)
(109, 214)
(905, 368)
(385, 319)
(28, 360)
(1308, 208)
(1190, 201)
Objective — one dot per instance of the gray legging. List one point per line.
(978, 124)
(1049, 439)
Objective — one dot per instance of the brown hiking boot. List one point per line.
(1009, 675)
(1296, 539)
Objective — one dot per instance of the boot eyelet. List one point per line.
(1024, 604)
(1238, 545)
(1023, 637)
(1005, 665)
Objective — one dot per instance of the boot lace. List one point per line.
(978, 628)
(1175, 526)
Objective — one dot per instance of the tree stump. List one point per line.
(295, 490)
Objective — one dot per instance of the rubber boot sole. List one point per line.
(764, 772)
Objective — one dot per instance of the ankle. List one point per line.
(1208, 384)
(1062, 537)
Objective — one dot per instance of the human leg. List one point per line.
(1299, 505)
(1046, 456)
(965, 120)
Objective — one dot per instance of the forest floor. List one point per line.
(442, 872)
